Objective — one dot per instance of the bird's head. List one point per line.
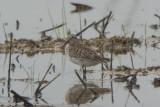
(72, 40)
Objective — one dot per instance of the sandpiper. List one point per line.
(83, 56)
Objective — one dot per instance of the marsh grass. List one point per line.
(57, 31)
(52, 22)
(64, 21)
(63, 62)
(64, 18)
(123, 30)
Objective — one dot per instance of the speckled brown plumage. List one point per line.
(83, 56)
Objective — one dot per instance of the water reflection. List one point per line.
(79, 95)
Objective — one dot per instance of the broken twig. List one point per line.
(134, 76)
(49, 82)
(81, 80)
(63, 47)
(131, 60)
(37, 90)
(134, 96)
(95, 93)
(85, 29)
(111, 56)
(43, 32)
(105, 21)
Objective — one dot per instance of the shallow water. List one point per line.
(33, 17)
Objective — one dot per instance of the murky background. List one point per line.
(34, 17)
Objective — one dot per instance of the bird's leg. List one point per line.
(106, 65)
(84, 73)
(81, 68)
(102, 68)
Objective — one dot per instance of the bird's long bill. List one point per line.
(67, 41)
(63, 46)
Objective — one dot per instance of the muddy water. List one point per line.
(33, 17)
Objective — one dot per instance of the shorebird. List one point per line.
(81, 55)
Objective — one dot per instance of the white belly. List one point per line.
(83, 62)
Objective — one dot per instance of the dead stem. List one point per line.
(107, 22)
(43, 32)
(134, 96)
(104, 25)
(112, 96)
(157, 16)
(101, 51)
(133, 35)
(49, 82)
(37, 90)
(111, 56)
(131, 60)
(101, 20)
(95, 93)
(134, 76)
(9, 68)
(63, 47)
(80, 79)
(85, 29)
